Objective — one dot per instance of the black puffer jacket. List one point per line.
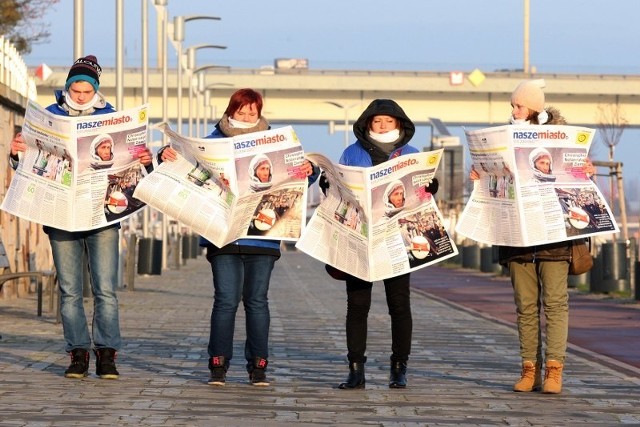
(559, 251)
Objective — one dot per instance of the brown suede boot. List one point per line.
(553, 377)
(530, 378)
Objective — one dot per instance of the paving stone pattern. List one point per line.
(461, 370)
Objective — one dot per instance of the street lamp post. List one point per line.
(346, 118)
(207, 101)
(198, 86)
(525, 65)
(145, 89)
(120, 55)
(178, 38)
(161, 7)
(78, 29)
(191, 65)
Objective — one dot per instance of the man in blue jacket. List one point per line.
(81, 97)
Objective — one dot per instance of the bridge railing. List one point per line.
(392, 73)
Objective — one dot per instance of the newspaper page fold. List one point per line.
(532, 188)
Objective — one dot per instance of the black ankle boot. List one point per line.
(79, 367)
(355, 378)
(398, 375)
(106, 363)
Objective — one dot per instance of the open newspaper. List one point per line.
(250, 185)
(78, 173)
(532, 188)
(378, 222)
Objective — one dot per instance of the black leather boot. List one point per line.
(398, 375)
(355, 380)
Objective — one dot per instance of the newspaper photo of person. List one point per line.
(541, 165)
(394, 199)
(260, 173)
(101, 152)
(40, 164)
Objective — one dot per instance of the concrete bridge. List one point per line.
(310, 96)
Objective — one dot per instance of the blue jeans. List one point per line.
(68, 250)
(240, 277)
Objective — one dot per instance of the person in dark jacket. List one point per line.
(383, 132)
(81, 97)
(241, 269)
(539, 273)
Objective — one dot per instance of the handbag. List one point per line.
(581, 260)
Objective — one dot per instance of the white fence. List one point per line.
(14, 72)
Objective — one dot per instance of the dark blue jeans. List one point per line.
(239, 277)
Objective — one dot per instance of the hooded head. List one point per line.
(101, 151)
(260, 173)
(541, 154)
(384, 107)
(529, 94)
(394, 198)
(85, 69)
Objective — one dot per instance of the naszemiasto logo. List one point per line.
(259, 141)
(391, 169)
(105, 122)
(539, 134)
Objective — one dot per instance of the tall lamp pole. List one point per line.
(145, 89)
(525, 66)
(346, 118)
(119, 54)
(191, 66)
(161, 7)
(178, 38)
(207, 101)
(200, 88)
(78, 29)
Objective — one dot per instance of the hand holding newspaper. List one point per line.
(532, 188)
(228, 188)
(378, 222)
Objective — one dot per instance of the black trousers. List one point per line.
(398, 295)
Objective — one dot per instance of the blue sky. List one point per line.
(567, 36)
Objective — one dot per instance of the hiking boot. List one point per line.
(552, 377)
(79, 367)
(398, 375)
(218, 366)
(530, 378)
(106, 363)
(257, 372)
(356, 379)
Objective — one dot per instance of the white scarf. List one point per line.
(385, 138)
(241, 125)
(72, 104)
(515, 121)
